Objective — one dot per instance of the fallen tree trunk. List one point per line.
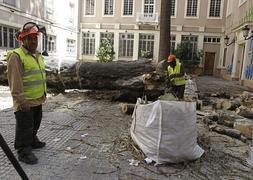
(104, 76)
(126, 76)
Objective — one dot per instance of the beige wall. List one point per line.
(235, 21)
(202, 20)
(201, 26)
(33, 7)
(117, 17)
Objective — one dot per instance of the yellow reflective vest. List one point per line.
(177, 81)
(34, 75)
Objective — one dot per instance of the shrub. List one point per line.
(105, 52)
(146, 54)
(187, 55)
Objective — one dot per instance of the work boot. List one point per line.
(36, 144)
(29, 158)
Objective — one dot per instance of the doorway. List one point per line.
(209, 63)
(240, 59)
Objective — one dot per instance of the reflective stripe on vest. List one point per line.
(33, 72)
(34, 75)
(177, 81)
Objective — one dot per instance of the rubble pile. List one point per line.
(229, 115)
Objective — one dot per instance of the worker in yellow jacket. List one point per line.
(176, 76)
(27, 81)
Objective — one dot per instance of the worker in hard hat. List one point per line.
(27, 81)
(176, 76)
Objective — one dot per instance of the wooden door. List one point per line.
(209, 63)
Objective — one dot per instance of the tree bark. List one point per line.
(125, 76)
(165, 22)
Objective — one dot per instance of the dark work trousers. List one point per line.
(179, 91)
(27, 125)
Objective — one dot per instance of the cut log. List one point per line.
(217, 104)
(230, 104)
(125, 76)
(227, 118)
(127, 108)
(247, 99)
(226, 104)
(245, 112)
(245, 126)
(227, 131)
(221, 95)
(93, 75)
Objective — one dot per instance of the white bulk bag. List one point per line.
(166, 131)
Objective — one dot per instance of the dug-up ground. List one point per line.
(88, 137)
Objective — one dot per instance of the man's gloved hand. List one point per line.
(25, 107)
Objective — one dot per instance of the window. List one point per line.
(173, 43)
(71, 46)
(49, 9)
(89, 7)
(146, 45)
(126, 44)
(230, 5)
(224, 57)
(108, 8)
(10, 2)
(107, 35)
(71, 13)
(128, 7)
(50, 42)
(192, 42)
(149, 6)
(208, 39)
(88, 43)
(7, 37)
(215, 8)
(241, 2)
(173, 7)
(192, 8)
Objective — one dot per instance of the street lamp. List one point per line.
(226, 41)
(245, 31)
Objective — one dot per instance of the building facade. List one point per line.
(59, 17)
(236, 60)
(134, 27)
(76, 28)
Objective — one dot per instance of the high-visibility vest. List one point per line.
(34, 74)
(177, 81)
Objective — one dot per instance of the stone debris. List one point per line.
(56, 139)
(83, 157)
(84, 135)
(133, 162)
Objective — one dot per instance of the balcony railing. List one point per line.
(147, 18)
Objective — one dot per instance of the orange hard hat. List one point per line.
(171, 58)
(26, 30)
